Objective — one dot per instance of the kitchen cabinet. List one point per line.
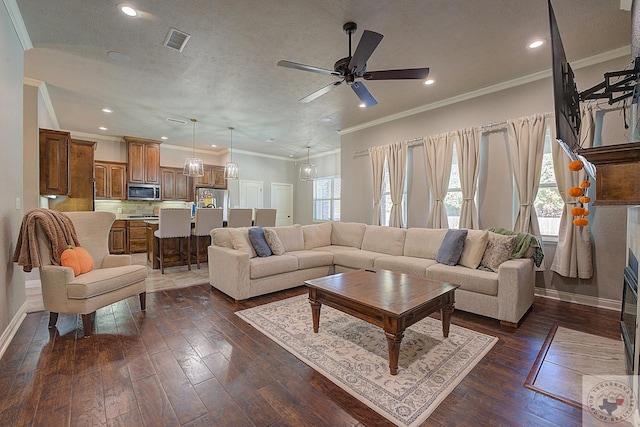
(118, 237)
(143, 160)
(137, 234)
(54, 162)
(213, 177)
(175, 185)
(111, 180)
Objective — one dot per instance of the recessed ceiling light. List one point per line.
(127, 10)
(107, 110)
(214, 145)
(363, 105)
(117, 56)
(535, 44)
(325, 119)
(163, 137)
(429, 81)
(102, 128)
(290, 155)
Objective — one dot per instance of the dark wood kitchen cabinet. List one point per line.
(111, 180)
(54, 162)
(175, 185)
(213, 177)
(143, 160)
(137, 234)
(118, 237)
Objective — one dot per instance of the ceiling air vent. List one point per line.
(176, 39)
(179, 121)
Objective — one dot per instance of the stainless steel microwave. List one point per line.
(144, 192)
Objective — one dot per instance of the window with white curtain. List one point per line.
(326, 199)
(453, 199)
(548, 203)
(385, 200)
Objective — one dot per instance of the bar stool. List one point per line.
(265, 217)
(174, 223)
(206, 220)
(239, 217)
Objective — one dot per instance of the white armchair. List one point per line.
(112, 279)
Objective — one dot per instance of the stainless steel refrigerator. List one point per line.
(212, 198)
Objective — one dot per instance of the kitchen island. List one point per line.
(173, 247)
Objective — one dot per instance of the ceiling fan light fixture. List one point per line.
(231, 169)
(193, 166)
(308, 171)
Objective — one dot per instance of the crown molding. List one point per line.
(18, 24)
(581, 63)
(44, 92)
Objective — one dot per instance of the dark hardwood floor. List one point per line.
(189, 361)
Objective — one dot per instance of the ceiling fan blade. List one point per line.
(320, 92)
(409, 73)
(364, 94)
(296, 66)
(368, 43)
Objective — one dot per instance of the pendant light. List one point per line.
(308, 171)
(193, 165)
(231, 170)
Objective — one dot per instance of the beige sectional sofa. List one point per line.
(317, 250)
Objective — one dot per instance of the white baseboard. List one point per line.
(12, 328)
(607, 304)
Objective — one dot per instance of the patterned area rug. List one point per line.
(353, 354)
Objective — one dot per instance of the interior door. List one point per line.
(251, 194)
(282, 201)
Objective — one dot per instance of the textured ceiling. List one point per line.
(227, 73)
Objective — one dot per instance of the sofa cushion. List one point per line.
(404, 264)
(499, 248)
(479, 281)
(451, 247)
(221, 237)
(273, 241)
(291, 237)
(104, 280)
(386, 240)
(311, 259)
(263, 267)
(347, 233)
(316, 235)
(258, 241)
(423, 242)
(335, 249)
(240, 240)
(356, 259)
(474, 248)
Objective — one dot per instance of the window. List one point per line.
(548, 203)
(326, 199)
(385, 200)
(453, 198)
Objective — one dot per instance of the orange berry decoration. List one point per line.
(580, 222)
(585, 213)
(575, 192)
(577, 211)
(585, 199)
(576, 165)
(585, 184)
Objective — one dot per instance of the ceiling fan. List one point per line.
(355, 67)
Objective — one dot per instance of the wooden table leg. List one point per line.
(445, 314)
(393, 342)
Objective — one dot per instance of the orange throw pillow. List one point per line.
(78, 259)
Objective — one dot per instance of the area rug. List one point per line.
(353, 354)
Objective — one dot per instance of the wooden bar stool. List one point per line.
(174, 223)
(206, 220)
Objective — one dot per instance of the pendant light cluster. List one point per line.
(231, 170)
(308, 171)
(193, 165)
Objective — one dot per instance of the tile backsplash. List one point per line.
(135, 208)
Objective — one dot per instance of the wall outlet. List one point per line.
(119, 210)
(18, 203)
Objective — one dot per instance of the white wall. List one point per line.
(12, 289)
(495, 188)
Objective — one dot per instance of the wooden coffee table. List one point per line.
(393, 301)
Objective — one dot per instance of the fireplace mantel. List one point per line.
(617, 173)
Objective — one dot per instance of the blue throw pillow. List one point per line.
(451, 249)
(259, 243)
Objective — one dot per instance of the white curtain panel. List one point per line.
(397, 161)
(573, 257)
(377, 156)
(526, 147)
(438, 154)
(468, 148)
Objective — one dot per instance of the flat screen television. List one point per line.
(566, 98)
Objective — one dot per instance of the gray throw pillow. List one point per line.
(451, 247)
(499, 248)
(258, 241)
